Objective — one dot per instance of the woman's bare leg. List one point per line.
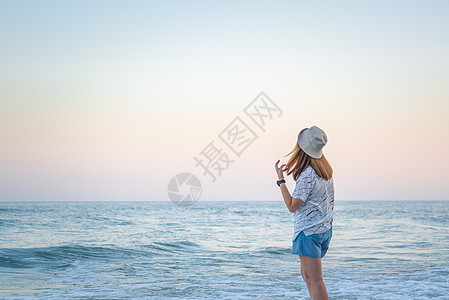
(312, 273)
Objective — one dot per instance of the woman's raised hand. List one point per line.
(279, 170)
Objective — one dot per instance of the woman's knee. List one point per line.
(304, 276)
(311, 276)
(311, 268)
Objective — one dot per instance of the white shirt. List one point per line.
(316, 213)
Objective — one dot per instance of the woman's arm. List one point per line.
(292, 203)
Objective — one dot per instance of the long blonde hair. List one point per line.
(299, 161)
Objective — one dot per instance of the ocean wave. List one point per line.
(8, 222)
(275, 250)
(172, 247)
(58, 256)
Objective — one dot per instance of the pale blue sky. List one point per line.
(107, 100)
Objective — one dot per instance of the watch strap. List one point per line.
(280, 181)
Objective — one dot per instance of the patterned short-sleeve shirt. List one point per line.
(316, 213)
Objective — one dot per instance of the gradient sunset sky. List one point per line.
(108, 100)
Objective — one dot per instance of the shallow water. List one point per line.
(218, 250)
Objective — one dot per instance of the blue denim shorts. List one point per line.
(314, 245)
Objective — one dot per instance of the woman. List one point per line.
(312, 203)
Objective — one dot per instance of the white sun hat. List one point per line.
(312, 140)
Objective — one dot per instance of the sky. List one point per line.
(109, 100)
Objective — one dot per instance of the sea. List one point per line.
(218, 250)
